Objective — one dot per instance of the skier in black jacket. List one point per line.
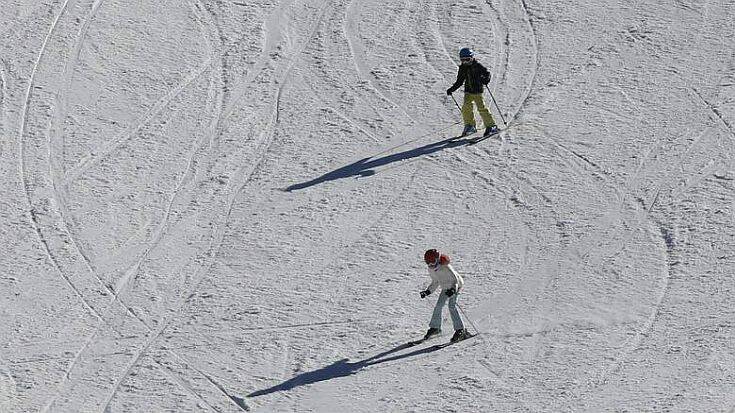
(474, 76)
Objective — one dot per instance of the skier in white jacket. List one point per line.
(443, 275)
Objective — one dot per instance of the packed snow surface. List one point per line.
(222, 206)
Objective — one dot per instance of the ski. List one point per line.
(465, 136)
(443, 345)
(438, 346)
(479, 139)
(421, 340)
(467, 337)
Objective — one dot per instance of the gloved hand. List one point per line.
(449, 91)
(485, 80)
(425, 293)
(450, 292)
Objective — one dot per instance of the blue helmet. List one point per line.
(466, 52)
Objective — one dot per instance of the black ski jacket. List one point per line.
(474, 76)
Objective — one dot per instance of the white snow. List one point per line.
(223, 206)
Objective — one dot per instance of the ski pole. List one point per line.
(468, 319)
(455, 102)
(500, 112)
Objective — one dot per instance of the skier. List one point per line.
(443, 275)
(474, 76)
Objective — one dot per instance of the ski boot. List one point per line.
(459, 335)
(431, 333)
(490, 131)
(469, 130)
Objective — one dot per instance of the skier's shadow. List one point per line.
(343, 368)
(365, 167)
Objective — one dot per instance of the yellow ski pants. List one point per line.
(468, 114)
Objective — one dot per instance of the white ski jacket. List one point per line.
(444, 276)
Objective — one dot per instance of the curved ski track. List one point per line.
(215, 98)
(3, 92)
(22, 165)
(355, 48)
(108, 148)
(23, 170)
(575, 158)
(246, 173)
(56, 132)
(216, 94)
(8, 385)
(532, 81)
(637, 339)
(35, 222)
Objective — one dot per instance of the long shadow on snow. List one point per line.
(364, 167)
(342, 368)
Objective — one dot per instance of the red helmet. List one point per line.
(431, 256)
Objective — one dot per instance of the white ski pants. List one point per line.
(436, 317)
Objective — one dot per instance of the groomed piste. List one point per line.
(223, 206)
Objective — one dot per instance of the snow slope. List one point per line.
(222, 206)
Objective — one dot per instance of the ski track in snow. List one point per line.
(23, 167)
(8, 385)
(3, 92)
(580, 170)
(655, 226)
(264, 144)
(624, 195)
(670, 259)
(534, 69)
(185, 177)
(101, 314)
(133, 269)
(108, 148)
(130, 272)
(55, 135)
(728, 127)
(357, 51)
